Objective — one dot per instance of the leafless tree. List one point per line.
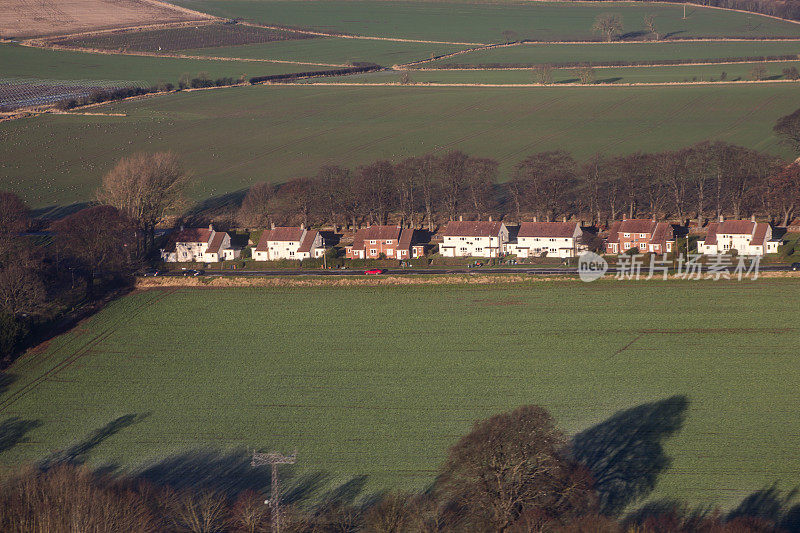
(784, 191)
(586, 74)
(22, 291)
(788, 129)
(254, 211)
(608, 24)
(758, 71)
(376, 188)
(650, 24)
(145, 187)
(545, 181)
(480, 177)
(510, 36)
(543, 74)
(452, 168)
(293, 201)
(514, 465)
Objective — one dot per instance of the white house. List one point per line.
(547, 239)
(292, 242)
(201, 245)
(473, 238)
(747, 237)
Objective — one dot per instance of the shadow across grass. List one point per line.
(625, 452)
(13, 431)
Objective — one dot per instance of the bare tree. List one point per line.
(586, 74)
(452, 168)
(545, 181)
(608, 24)
(97, 239)
(254, 211)
(376, 189)
(480, 177)
(145, 187)
(758, 71)
(406, 185)
(512, 466)
(293, 200)
(543, 73)
(650, 24)
(333, 188)
(788, 129)
(510, 36)
(22, 291)
(784, 191)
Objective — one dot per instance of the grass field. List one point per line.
(246, 134)
(605, 53)
(380, 381)
(678, 73)
(334, 50)
(485, 21)
(26, 62)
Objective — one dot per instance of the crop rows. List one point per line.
(16, 92)
(183, 38)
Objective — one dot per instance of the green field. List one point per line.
(333, 50)
(233, 137)
(485, 21)
(27, 62)
(380, 381)
(678, 73)
(534, 54)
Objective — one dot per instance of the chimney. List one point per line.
(753, 217)
(461, 218)
(535, 219)
(302, 225)
(181, 227)
(722, 218)
(490, 218)
(272, 225)
(565, 218)
(211, 227)
(624, 216)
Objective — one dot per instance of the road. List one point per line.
(433, 271)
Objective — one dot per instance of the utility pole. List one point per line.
(274, 459)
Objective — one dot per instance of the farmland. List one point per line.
(29, 18)
(171, 39)
(664, 74)
(380, 381)
(247, 134)
(28, 62)
(534, 54)
(485, 22)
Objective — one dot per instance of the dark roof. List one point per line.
(216, 242)
(547, 229)
(472, 229)
(193, 235)
(375, 233)
(663, 232)
(308, 240)
(736, 227)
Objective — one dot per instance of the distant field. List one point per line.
(231, 138)
(485, 22)
(171, 39)
(29, 18)
(380, 381)
(26, 62)
(679, 73)
(334, 50)
(629, 52)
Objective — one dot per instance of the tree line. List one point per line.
(514, 472)
(698, 182)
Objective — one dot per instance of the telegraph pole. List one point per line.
(274, 459)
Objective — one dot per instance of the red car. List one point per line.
(375, 271)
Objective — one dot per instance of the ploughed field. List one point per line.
(379, 381)
(486, 22)
(242, 135)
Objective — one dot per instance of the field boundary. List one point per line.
(570, 67)
(520, 85)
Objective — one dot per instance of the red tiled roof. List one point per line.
(286, 233)
(736, 227)
(711, 233)
(472, 229)
(308, 240)
(547, 229)
(405, 239)
(663, 233)
(375, 233)
(760, 235)
(613, 231)
(637, 225)
(216, 242)
(193, 235)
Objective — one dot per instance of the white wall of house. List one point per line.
(544, 246)
(741, 242)
(277, 250)
(474, 246)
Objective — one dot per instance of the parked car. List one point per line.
(151, 273)
(375, 271)
(795, 266)
(191, 272)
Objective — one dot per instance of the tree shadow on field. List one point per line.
(6, 380)
(771, 505)
(13, 431)
(205, 210)
(625, 453)
(78, 453)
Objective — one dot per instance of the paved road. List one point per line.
(431, 271)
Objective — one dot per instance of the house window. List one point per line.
(388, 241)
(463, 238)
(627, 235)
(642, 235)
(373, 251)
(372, 242)
(291, 253)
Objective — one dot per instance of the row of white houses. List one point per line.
(485, 239)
